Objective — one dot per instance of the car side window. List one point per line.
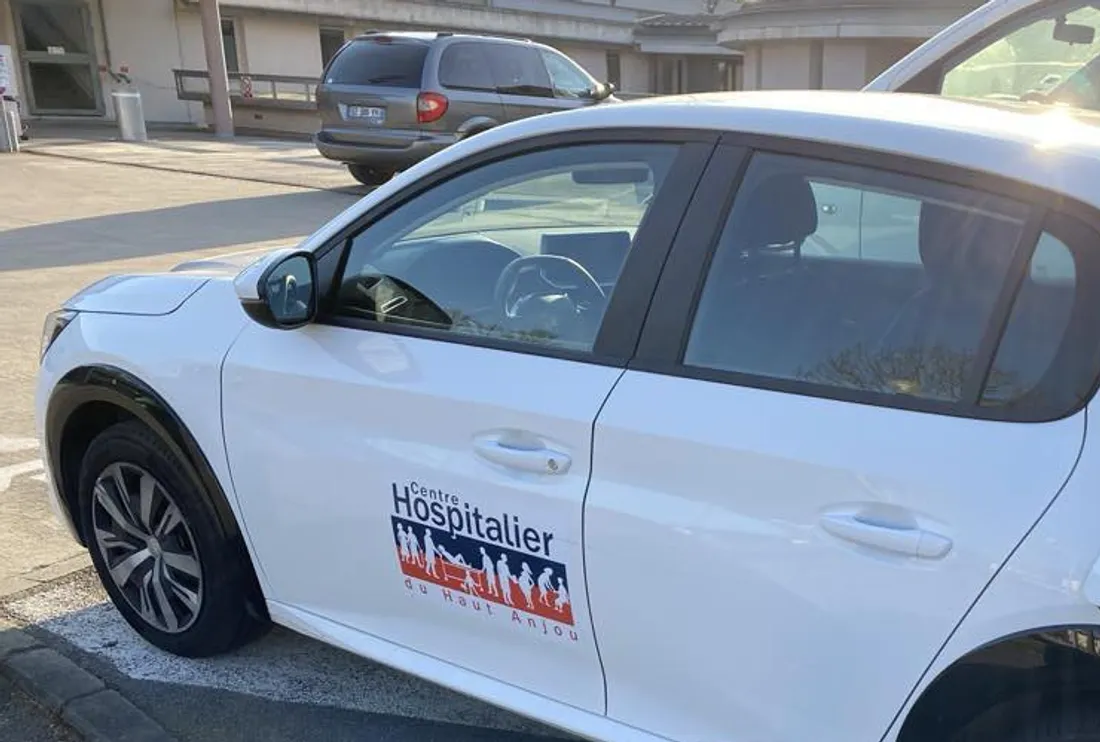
(568, 79)
(834, 278)
(464, 66)
(518, 70)
(1050, 56)
(527, 248)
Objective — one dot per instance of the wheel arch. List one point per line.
(1006, 680)
(89, 399)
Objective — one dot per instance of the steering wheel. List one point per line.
(504, 293)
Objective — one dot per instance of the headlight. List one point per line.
(56, 321)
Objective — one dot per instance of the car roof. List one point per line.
(1053, 148)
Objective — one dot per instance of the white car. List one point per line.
(1042, 51)
(728, 417)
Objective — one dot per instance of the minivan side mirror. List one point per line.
(280, 290)
(603, 90)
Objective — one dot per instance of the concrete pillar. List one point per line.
(215, 64)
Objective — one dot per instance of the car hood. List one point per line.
(159, 293)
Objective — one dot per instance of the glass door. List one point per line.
(58, 57)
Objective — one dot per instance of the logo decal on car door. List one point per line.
(444, 540)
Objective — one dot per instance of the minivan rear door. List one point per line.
(369, 91)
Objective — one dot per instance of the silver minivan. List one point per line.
(388, 100)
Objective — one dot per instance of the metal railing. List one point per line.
(275, 91)
(252, 89)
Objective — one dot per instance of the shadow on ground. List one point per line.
(168, 230)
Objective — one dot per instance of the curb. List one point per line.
(188, 171)
(94, 711)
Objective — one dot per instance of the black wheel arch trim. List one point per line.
(1016, 671)
(101, 383)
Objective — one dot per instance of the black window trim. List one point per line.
(622, 325)
(668, 325)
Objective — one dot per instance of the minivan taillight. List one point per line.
(430, 107)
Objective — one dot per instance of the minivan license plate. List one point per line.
(370, 114)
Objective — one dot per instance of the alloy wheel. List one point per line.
(147, 547)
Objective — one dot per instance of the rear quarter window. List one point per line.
(395, 64)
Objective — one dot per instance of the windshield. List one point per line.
(1047, 57)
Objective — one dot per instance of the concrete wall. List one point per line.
(785, 65)
(144, 36)
(280, 45)
(844, 65)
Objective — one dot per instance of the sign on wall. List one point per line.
(7, 71)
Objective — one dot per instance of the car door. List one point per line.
(822, 458)
(522, 80)
(413, 465)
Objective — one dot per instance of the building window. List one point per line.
(229, 44)
(331, 41)
(614, 70)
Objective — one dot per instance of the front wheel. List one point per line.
(157, 548)
(369, 176)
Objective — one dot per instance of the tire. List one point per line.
(369, 176)
(196, 587)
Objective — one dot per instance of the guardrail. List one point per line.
(274, 91)
(248, 89)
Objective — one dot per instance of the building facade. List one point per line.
(68, 56)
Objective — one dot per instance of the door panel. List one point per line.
(414, 466)
(341, 439)
(777, 629)
(843, 454)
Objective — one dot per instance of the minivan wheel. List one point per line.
(154, 541)
(369, 176)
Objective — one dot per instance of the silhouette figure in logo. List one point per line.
(413, 546)
(505, 578)
(562, 599)
(431, 554)
(526, 583)
(403, 543)
(468, 584)
(490, 573)
(545, 585)
(453, 559)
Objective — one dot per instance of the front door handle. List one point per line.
(900, 539)
(520, 455)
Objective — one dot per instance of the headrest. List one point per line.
(958, 244)
(779, 210)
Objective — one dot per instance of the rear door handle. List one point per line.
(521, 455)
(911, 541)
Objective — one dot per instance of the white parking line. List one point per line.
(10, 444)
(11, 471)
(282, 666)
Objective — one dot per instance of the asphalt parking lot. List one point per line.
(66, 221)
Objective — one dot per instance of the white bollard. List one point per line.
(9, 127)
(131, 118)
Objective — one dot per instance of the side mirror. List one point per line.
(603, 91)
(279, 290)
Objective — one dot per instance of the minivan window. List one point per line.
(398, 64)
(1047, 58)
(519, 70)
(465, 67)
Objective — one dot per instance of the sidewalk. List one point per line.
(292, 162)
